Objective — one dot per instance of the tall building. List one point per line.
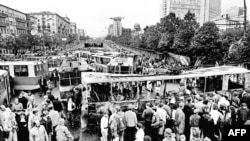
(117, 26)
(110, 30)
(52, 23)
(12, 21)
(204, 10)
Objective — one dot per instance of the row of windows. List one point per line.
(10, 14)
(22, 70)
(7, 31)
(70, 78)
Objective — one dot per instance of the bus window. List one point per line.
(70, 78)
(236, 81)
(105, 61)
(38, 70)
(4, 68)
(21, 70)
(2, 85)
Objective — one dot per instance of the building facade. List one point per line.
(81, 32)
(204, 10)
(73, 28)
(110, 30)
(12, 22)
(117, 26)
(232, 19)
(52, 23)
(31, 23)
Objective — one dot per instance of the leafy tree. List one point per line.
(240, 50)
(168, 27)
(206, 44)
(151, 37)
(184, 35)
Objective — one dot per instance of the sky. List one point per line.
(94, 15)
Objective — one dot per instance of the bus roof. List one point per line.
(204, 72)
(7, 63)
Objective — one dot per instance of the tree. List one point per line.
(184, 35)
(206, 44)
(151, 37)
(168, 27)
(240, 50)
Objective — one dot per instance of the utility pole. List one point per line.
(245, 16)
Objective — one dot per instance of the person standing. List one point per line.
(180, 121)
(17, 106)
(156, 124)
(22, 99)
(23, 133)
(194, 122)
(47, 123)
(38, 132)
(62, 132)
(43, 84)
(70, 108)
(104, 126)
(147, 116)
(11, 127)
(130, 122)
(243, 114)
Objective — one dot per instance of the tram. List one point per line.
(114, 62)
(4, 88)
(70, 76)
(25, 73)
(101, 88)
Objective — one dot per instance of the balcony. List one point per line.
(21, 27)
(20, 20)
(4, 23)
(3, 15)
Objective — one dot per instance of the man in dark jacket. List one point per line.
(57, 105)
(243, 114)
(43, 84)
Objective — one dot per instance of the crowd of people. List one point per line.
(180, 117)
(26, 120)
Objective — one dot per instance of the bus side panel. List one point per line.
(30, 83)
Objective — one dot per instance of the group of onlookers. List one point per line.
(180, 117)
(25, 120)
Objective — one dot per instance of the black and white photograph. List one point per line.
(124, 70)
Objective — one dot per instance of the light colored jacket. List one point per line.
(38, 134)
(62, 133)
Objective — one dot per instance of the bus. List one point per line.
(101, 88)
(114, 62)
(54, 62)
(70, 76)
(25, 73)
(4, 88)
(82, 55)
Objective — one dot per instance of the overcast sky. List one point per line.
(94, 15)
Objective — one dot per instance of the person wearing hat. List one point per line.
(243, 114)
(62, 132)
(130, 123)
(38, 132)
